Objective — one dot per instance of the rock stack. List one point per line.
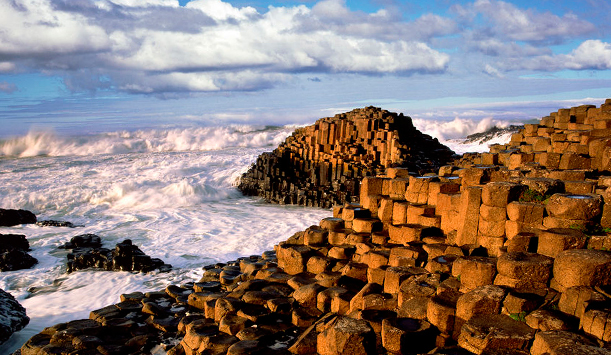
(485, 257)
(321, 165)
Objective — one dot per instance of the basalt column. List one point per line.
(322, 164)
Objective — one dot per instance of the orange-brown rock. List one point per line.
(574, 207)
(345, 335)
(555, 240)
(582, 267)
(486, 334)
(523, 270)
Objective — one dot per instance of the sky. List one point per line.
(95, 65)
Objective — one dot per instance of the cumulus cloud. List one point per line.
(505, 20)
(498, 48)
(35, 28)
(333, 15)
(157, 46)
(589, 55)
(521, 39)
(161, 47)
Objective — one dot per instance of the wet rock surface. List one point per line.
(55, 223)
(12, 316)
(9, 217)
(87, 252)
(14, 253)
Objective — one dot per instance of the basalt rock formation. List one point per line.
(87, 252)
(321, 165)
(12, 316)
(54, 223)
(14, 253)
(500, 253)
(10, 217)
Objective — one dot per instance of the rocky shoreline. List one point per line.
(505, 252)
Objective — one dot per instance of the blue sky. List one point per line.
(92, 65)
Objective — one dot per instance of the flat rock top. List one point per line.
(351, 325)
(500, 322)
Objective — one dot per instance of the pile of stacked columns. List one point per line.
(322, 164)
(577, 138)
(481, 257)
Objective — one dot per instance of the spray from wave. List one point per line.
(457, 128)
(47, 143)
(453, 133)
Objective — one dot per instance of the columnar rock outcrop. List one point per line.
(492, 258)
(322, 164)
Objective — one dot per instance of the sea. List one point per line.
(172, 191)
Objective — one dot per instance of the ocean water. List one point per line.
(171, 191)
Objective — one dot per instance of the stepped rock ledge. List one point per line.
(505, 252)
(321, 165)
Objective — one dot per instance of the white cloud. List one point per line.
(499, 48)
(528, 25)
(208, 45)
(35, 28)
(522, 39)
(331, 9)
(591, 54)
(141, 3)
(492, 71)
(154, 46)
(222, 11)
(7, 67)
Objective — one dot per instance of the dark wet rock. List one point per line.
(83, 241)
(124, 257)
(13, 253)
(12, 316)
(13, 241)
(16, 260)
(9, 218)
(54, 223)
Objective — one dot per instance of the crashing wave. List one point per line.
(143, 141)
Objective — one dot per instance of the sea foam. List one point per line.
(452, 133)
(37, 143)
